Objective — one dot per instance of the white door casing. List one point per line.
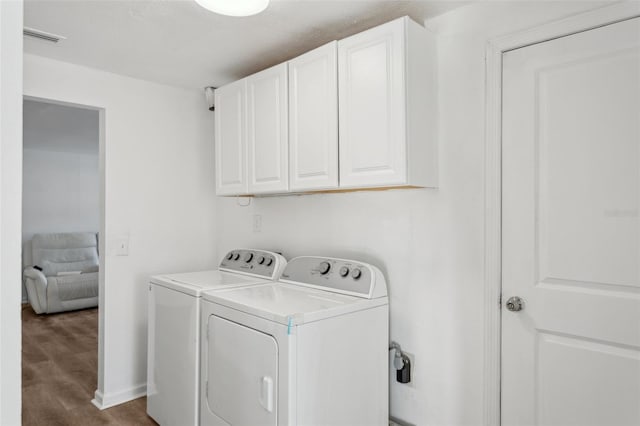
(313, 119)
(571, 229)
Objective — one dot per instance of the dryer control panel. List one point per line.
(338, 275)
(260, 263)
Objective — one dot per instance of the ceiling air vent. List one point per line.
(42, 35)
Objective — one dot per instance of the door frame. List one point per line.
(11, 14)
(494, 50)
(102, 226)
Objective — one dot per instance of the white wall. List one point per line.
(158, 189)
(429, 243)
(10, 206)
(61, 193)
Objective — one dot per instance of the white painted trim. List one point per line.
(101, 240)
(493, 174)
(97, 399)
(112, 399)
(492, 236)
(11, 17)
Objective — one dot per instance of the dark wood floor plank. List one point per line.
(59, 373)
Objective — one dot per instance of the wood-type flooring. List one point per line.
(59, 373)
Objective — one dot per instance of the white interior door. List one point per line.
(571, 230)
(242, 374)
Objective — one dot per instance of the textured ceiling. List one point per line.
(52, 127)
(179, 43)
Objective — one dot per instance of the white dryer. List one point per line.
(310, 349)
(173, 353)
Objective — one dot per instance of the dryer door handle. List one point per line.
(266, 394)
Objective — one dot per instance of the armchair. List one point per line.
(68, 278)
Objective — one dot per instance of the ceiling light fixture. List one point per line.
(234, 7)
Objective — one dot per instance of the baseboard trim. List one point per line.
(112, 399)
(397, 422)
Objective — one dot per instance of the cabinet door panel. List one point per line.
(371, 74)
(313, 119)
(267, 130)
(230, 139)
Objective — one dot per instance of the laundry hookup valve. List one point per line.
(401, 363)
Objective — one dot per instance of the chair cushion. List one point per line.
(51, 269)
(73, 287)
(65, 252)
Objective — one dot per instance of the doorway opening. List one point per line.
(62, 219)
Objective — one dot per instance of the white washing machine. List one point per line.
(310, 349)
(174, 330)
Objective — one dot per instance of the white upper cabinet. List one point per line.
(313, 119)
(387, 107)
(230, 142)
(267, 131)
(356, 113)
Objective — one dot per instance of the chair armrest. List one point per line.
(34, 274)
(36, 284)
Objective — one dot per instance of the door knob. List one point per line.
(515, 304)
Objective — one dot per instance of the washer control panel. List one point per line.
(261, 263)
(336, 275)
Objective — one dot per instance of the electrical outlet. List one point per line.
(257, 223)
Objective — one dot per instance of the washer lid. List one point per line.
(290, 304)
(194, 283)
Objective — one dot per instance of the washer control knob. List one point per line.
(325, 267)
(344, 271)
(261, 260)
(230, 255)
(269, 261)
(356, 274)
(249, 257)
(236, 256)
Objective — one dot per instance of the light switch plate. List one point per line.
(122, 246)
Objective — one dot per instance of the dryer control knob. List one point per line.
(230, 255)
(356, 274)
(324, 268)
(269, 261)
(344, 271)
(249, 257)
(261, 260)
(236, 256)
